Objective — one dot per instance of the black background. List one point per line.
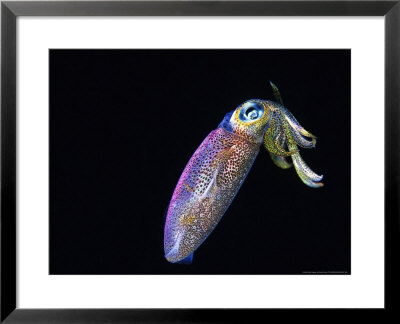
(123, 125)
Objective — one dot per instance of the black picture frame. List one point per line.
(10, 10)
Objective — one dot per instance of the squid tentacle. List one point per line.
(289, 116)
(273, 138)
(304, 172)
(295, 124)
(303, 142)
(281, 161)
(285, 130)
(277, 94)
(289, 134)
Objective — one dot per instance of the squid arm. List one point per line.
(285, 131)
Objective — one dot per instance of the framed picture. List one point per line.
(178, 76)
(197, 161)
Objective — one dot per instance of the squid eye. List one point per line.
(251, 111)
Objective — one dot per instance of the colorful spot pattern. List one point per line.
(205, 190)
(219, 166)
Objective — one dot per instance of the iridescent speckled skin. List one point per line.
(219, 166)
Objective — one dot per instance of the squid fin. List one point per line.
(187, 260)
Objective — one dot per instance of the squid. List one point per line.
(217, 169)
